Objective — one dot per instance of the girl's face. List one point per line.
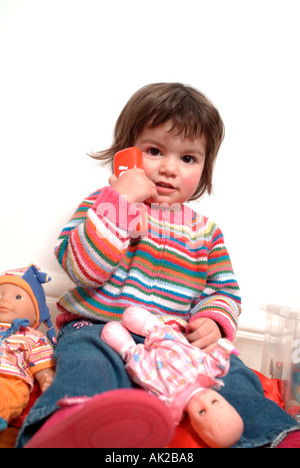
(174, 163)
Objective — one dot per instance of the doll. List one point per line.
(180, 374)
(25, 355)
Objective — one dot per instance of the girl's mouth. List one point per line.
(163, 188)
(165, 185)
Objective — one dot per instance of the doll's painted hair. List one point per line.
(190, 113)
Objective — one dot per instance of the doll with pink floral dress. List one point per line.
(178, 373)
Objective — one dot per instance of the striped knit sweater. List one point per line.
(180, 268)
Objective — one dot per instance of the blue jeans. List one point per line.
(86, 366)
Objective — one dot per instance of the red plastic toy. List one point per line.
(128, 158)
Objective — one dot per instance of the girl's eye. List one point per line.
(188, 159)
(19, 297)
(154, 151)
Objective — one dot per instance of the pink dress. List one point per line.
(168, 366)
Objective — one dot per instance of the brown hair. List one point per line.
(190, 112)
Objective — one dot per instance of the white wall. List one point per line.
(69, 66)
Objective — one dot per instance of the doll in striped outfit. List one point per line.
(25, 354)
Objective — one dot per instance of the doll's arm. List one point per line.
(218, 362)
(45, 378)
(115, 335)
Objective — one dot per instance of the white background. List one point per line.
(69, 66)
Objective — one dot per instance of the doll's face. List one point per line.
(15, 303)
(214, 419)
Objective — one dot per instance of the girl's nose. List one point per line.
(169, 167)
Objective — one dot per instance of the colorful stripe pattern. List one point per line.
(24, 353)
(180, 268)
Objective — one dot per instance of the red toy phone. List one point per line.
(128, 158)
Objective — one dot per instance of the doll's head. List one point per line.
(16, 302)
(22, 297)
(214, 419)
(188, 112)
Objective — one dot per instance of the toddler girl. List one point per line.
(178, 269)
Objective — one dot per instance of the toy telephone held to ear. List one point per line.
(128, 158)
(131, 158)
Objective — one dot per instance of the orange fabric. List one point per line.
(14, 397)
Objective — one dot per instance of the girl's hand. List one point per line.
(134, 185)
(204, 334)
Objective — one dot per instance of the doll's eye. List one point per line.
(202, 412)
(215, 402)
(18, 297)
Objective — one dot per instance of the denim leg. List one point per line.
(85, 366)
(264, 420)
